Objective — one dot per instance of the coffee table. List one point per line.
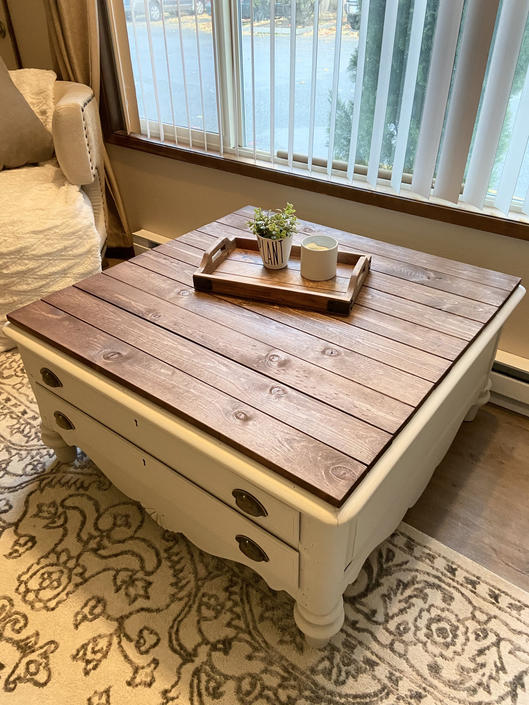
(287, 440)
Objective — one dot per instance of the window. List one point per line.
(426, 98)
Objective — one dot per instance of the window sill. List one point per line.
(403, 204)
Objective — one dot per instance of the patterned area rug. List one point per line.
(101, 606)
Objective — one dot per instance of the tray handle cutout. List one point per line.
(360, 272)
(216, 254)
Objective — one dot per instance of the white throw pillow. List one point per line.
(38, 88)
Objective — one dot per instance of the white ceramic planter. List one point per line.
(275, 253)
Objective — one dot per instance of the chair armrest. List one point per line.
(77, 132)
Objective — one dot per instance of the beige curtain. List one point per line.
(74, 37)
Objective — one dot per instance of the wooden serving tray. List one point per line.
(234, 266)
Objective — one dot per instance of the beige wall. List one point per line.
(171, 198)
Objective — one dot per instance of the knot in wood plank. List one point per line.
(277, 391)
(112, 355)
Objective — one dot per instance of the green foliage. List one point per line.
(370, 80)
(274, 225)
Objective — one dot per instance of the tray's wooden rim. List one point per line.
(205, 275)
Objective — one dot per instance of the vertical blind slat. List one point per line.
(495, 100)
(292, 82)
(464, 102)
(166, 52)
(184, 74)
(272, 78)
(153, 70)
(408, 92)
(515, 153)
(218, 99)
(384, 75)
(237, 75)
(314, 67)
(335, 80)
(201, 86)
(359, 83)
(252, 49)
(140, 72)
(438, 86)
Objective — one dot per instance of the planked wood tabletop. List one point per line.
(315, 397)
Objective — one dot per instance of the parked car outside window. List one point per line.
(169, 7)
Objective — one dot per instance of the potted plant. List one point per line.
(274, 231)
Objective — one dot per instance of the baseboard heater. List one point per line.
(144, 240)
(510, 382)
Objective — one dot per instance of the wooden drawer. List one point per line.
(174, 502)
(256, 503)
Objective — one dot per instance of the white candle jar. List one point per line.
(319, 254)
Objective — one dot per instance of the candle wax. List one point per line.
(315, 246)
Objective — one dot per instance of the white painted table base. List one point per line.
(316, 563)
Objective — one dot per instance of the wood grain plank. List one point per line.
(324, 471)
(241, 265)
(249, 264)
(411, 340)
(179, 249)
(418, 313)
(342, 333)
(407, 271)
(466, 271)
(353, 398)
(440, 300)
(414, 291)
(161, 264)
(412, 311)
(316, 419)
(349, 364)
(407, 332)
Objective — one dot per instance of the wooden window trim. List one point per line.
(424, 209)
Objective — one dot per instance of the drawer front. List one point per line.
(173, 501)
(244, 496)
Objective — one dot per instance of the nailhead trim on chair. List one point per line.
(103, 197)
(93, 167)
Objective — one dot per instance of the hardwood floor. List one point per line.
(478, 499)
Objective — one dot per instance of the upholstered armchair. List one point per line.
(78, 145)
(52, 214)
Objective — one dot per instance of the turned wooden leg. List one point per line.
(63, 452)
(323, 550)
(483, 398)
(319, 628)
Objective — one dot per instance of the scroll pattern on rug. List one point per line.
(100, 605)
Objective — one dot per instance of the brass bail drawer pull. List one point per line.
(63, 421)
(250, 549)
(248, 504)
(50, 378)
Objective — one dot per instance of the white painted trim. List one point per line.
(510, 393)
(144, 240)
(507, 391)
(516, 361)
